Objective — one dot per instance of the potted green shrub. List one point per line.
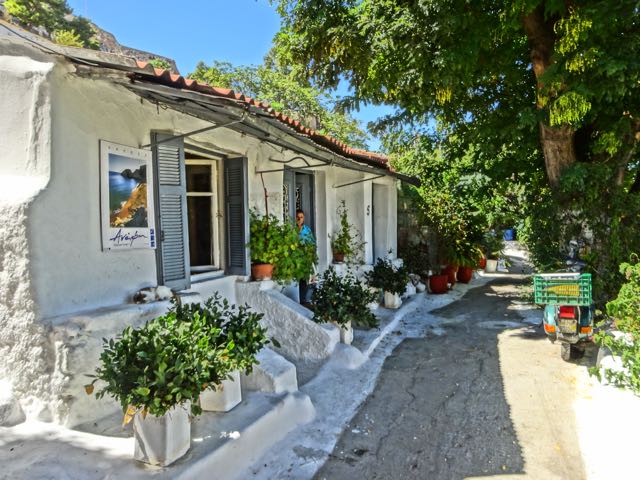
(390, 279)
(264, 244)
(493, 247)
(438, 279)
(156, 373)
(465, 255)
(240, 329)
(344, 242)
(277, 252)
(343, 301)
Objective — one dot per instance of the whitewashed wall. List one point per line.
(25, 123)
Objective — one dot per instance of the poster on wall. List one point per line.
(126, 197)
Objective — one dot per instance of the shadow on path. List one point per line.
(439, 409)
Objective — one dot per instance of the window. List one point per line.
(194, 235)
(202, 207)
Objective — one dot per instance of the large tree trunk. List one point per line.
(558, 149)
(557, 142)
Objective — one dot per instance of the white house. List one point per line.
(213, 152)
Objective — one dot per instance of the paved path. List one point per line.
(477, 401)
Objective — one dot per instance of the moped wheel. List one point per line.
(577, 352)
(570, 352)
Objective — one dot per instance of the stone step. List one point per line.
(222, 444)
(301, 339)
(274, 374)
(243, 435)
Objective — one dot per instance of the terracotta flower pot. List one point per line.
(482, 263)
(450, 271)
(262, 271)
(439, 283)
(465, 274)
(338, 257)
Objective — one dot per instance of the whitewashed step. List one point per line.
(228, 443)
(300, 338)
(274, 374)
(223, 445)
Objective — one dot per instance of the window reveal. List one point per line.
(200, 212)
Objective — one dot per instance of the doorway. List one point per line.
(380, 218)
(298, 194)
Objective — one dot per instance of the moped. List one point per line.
(568, 308)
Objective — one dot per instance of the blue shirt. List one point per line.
(306, 235)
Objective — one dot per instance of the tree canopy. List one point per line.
(543, 92)
(287, 94)
(54, 16)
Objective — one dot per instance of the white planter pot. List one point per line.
(226, 395)
(409, 291)
(162, 440)
(346, 332)
(492, 265)
(392, 300)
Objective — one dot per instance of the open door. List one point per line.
(298, 194)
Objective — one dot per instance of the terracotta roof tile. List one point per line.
(178, 81)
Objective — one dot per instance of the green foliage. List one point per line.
(387, 277)
(493, 245)
(240, 328)
(53, 16)
(278, 243)
(172, 358)
(456, 202)
(588, 208)
(342, 299)
(415, 258)
(68, 38)
(160, 63)
(264, 238)
(285, 93)
(345, 240)
(472, 108)
(625, 310)
(48, 14)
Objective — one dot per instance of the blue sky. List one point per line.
(237, 31)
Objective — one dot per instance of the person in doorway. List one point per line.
(305, 235)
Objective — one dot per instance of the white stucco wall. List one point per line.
(25, 103)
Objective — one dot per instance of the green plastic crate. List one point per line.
(562, 288)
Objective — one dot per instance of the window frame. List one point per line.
(216, 254)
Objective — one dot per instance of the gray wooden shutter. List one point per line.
(235, 183)
(171, 211)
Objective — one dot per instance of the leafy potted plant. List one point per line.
(493, 247)
(157, 372)
(264, 244)
(240, 329)
(296, 258)
(438, 280)
(344, 242)
(343, 301)
(276, 250)
(390, 279)
(465, 255)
